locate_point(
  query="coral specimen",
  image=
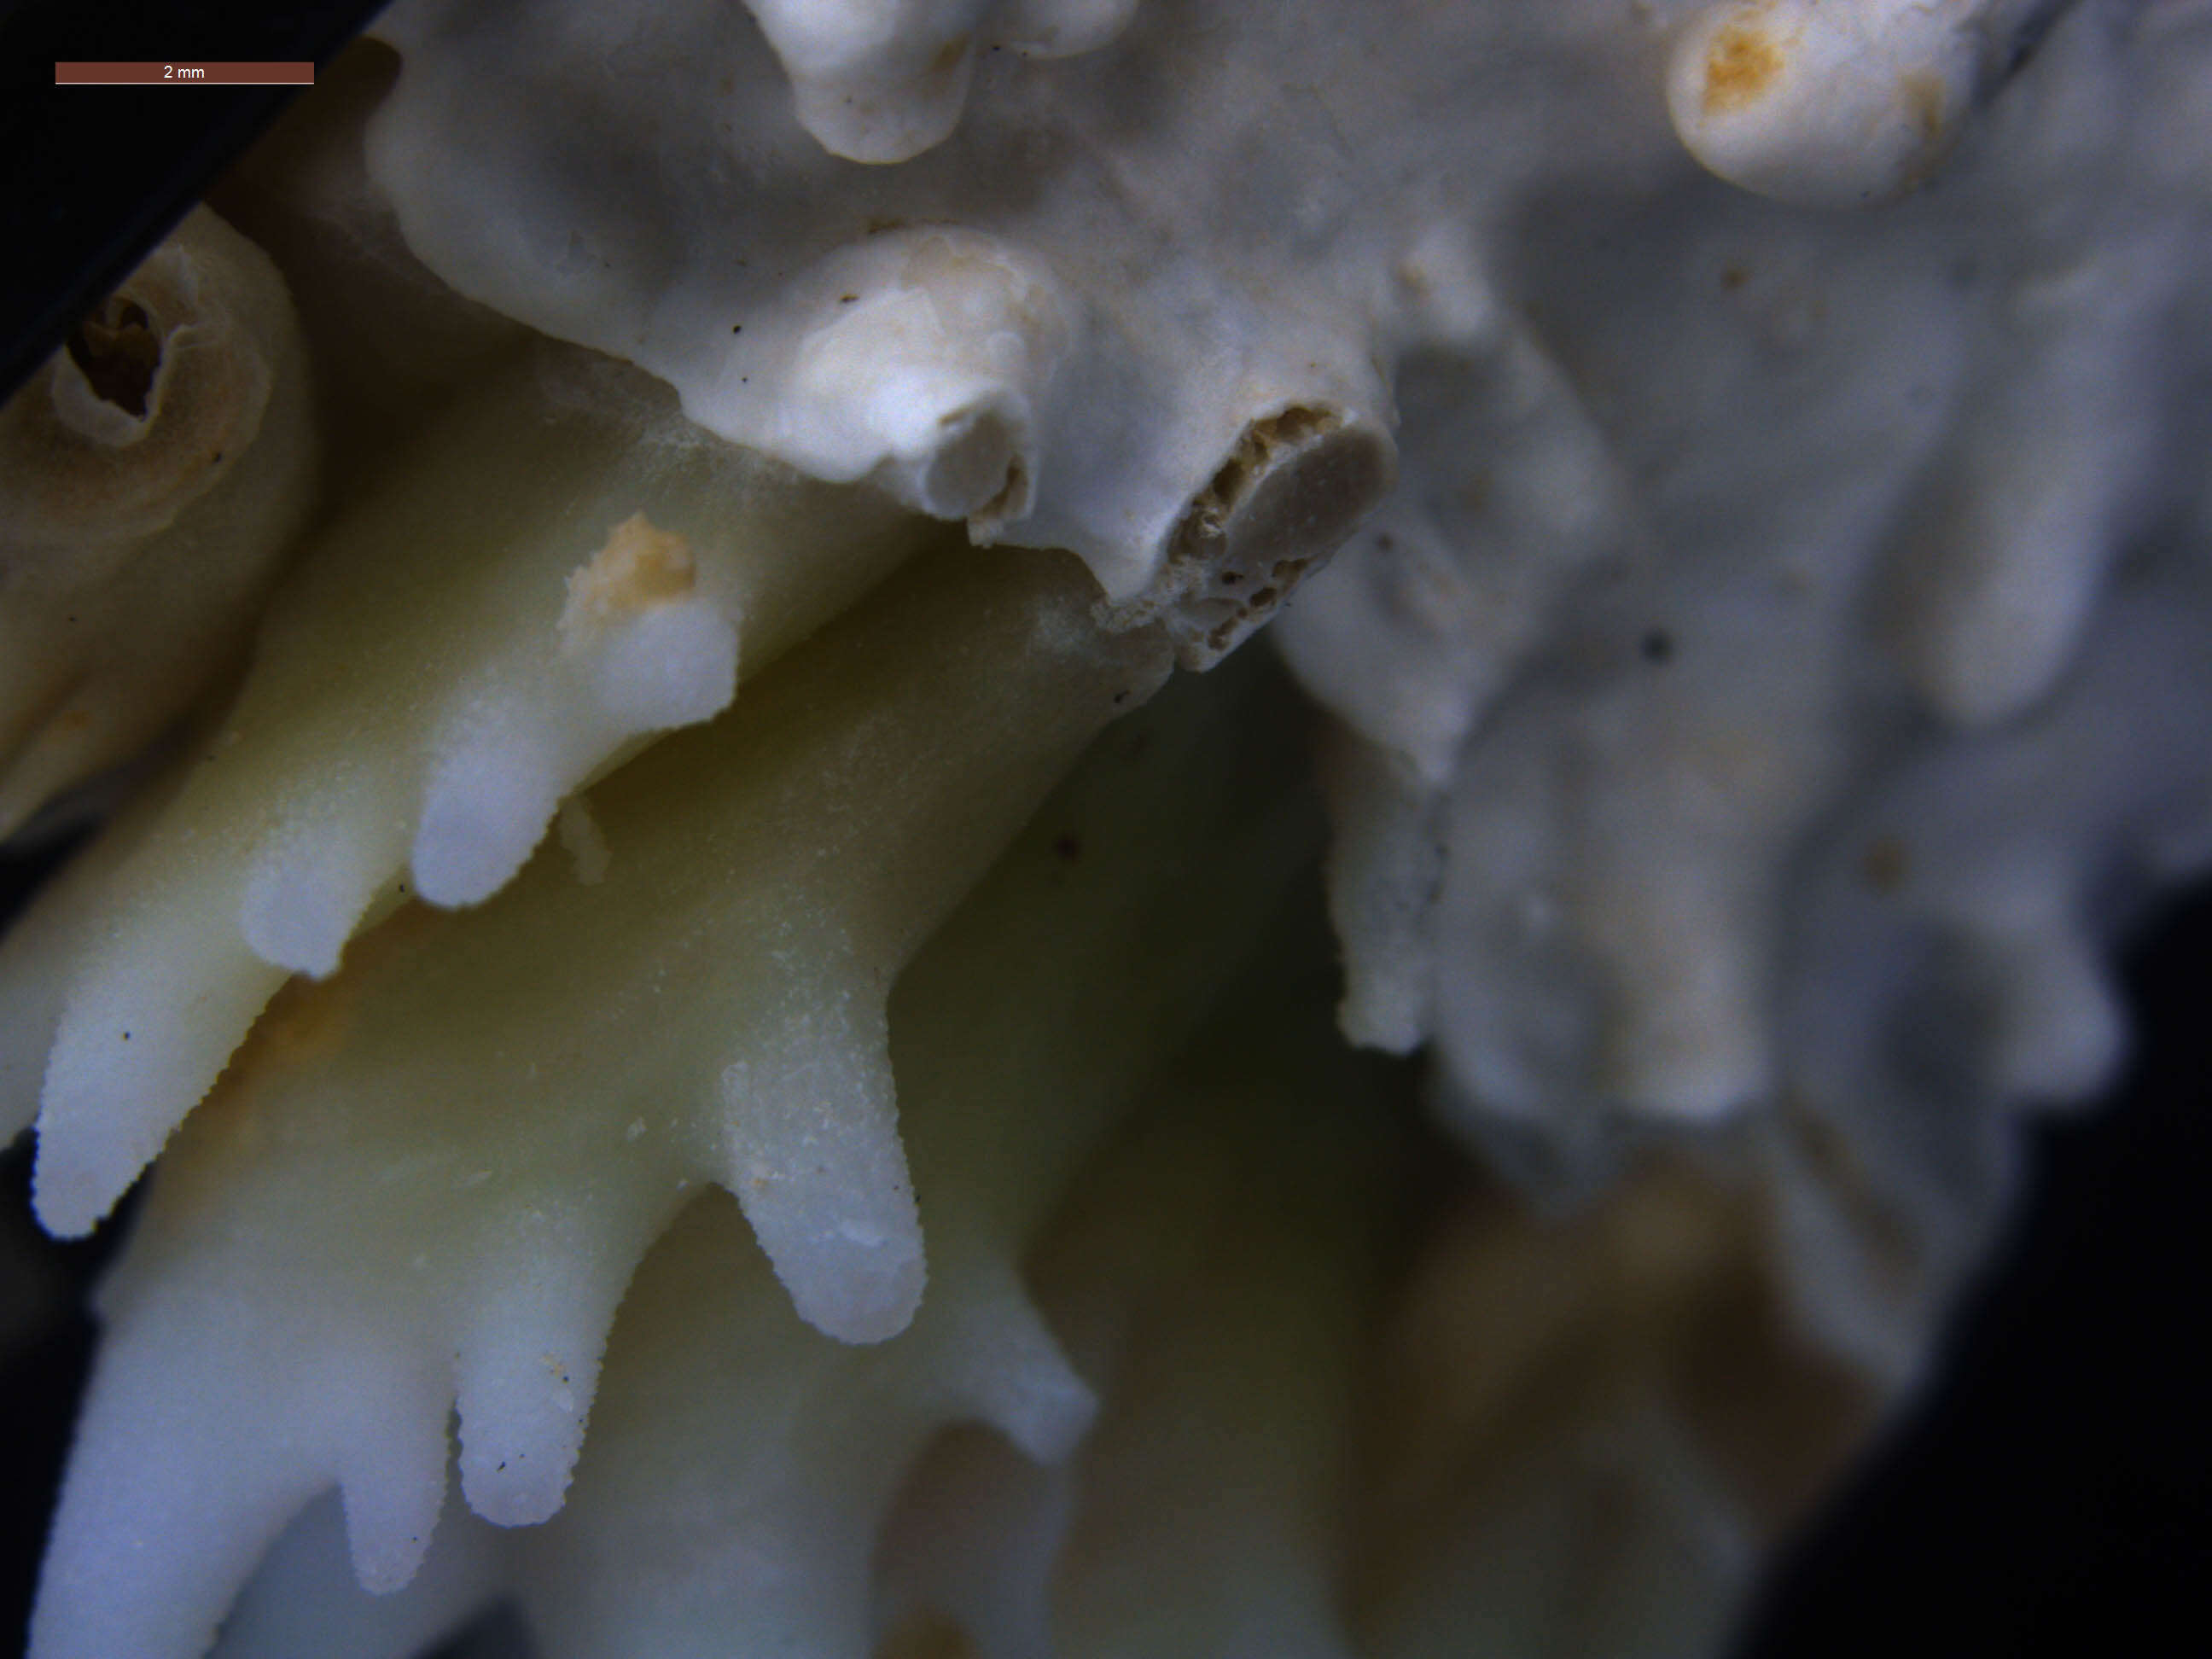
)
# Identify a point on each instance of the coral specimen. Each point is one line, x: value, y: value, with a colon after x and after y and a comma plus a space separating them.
x: 708, y: 942
x: 150, y: 480
x: 555, y: 625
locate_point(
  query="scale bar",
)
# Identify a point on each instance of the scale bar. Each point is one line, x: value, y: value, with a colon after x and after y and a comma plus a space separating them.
x: 201, y: 73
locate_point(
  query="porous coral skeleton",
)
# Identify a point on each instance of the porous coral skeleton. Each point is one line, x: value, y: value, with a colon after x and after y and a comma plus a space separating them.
x: 731, y: 973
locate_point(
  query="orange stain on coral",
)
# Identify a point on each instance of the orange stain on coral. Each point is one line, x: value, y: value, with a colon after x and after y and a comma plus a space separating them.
x: 1743, y: 63
x: 307, y: 1022
x: 306, y: 1025
x: 640, y: 567
x: 949, y: 55
x: 1924, y: 97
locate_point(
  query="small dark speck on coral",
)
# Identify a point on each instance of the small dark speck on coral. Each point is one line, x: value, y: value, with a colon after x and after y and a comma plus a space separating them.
x: 1657, y: 646
x: 1887, y: 864
x: 1067, y: 848
x: 737, y: 328
x: 847, y: 299
x: 1383, y: 543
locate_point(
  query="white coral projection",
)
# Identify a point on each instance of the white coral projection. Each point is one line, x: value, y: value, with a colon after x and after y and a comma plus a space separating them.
x: 583, y: 571
x: 640, y: 1016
